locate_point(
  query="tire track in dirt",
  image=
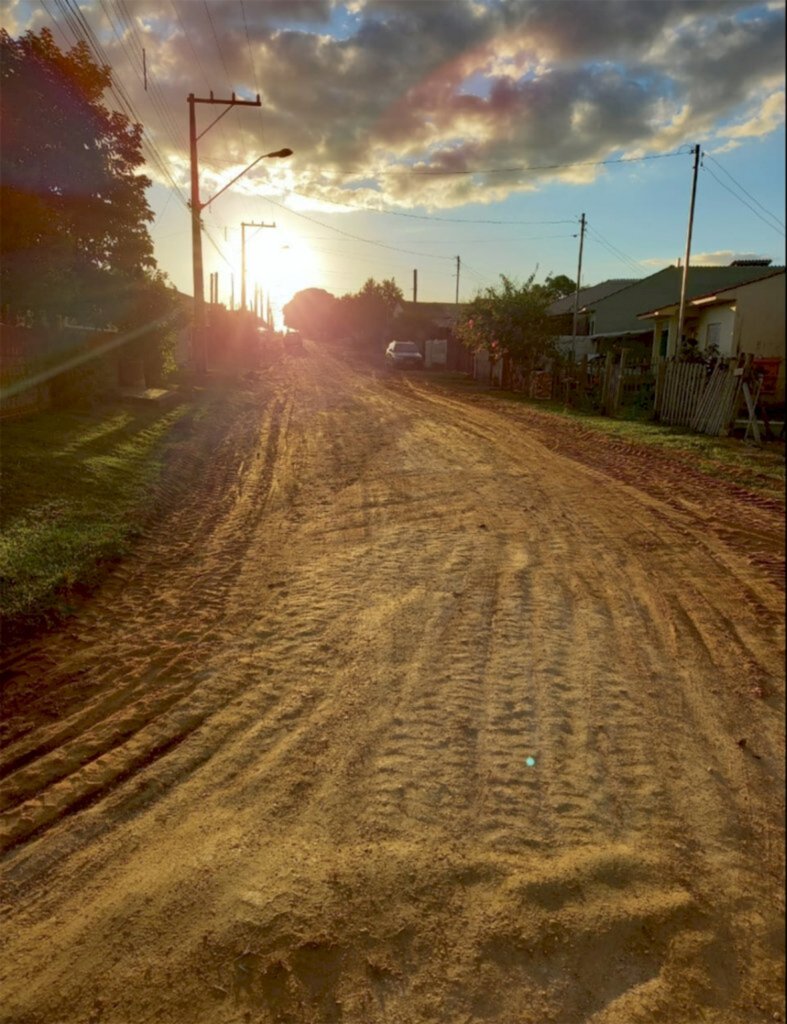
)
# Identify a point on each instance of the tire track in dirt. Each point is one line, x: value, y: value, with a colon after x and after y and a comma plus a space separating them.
x: 428, y: 597
x: 103, y: 745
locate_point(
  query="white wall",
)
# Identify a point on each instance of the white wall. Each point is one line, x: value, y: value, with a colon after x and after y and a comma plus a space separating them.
x: 724, y: 316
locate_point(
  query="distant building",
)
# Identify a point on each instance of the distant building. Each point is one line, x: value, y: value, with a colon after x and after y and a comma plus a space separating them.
x: 614, y: 320
x: 562, y: 313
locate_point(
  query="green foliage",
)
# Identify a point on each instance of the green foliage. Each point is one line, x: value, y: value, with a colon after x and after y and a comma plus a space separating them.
x: 75, y: 488
x: 510, y: 319
x: 560, y: 286
x: 73, y: 210
x: 312, y: 311
x: 367, y: 315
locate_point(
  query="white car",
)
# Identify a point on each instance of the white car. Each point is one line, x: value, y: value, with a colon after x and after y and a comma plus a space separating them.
x: 403, y: 354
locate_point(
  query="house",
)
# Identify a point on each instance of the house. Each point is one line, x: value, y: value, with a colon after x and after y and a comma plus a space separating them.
x: 614, y: 320
x: 747, y: 317
x: 561, y: 311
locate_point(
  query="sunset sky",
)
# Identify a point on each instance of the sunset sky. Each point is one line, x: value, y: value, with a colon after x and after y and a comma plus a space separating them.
x: 378, y: 99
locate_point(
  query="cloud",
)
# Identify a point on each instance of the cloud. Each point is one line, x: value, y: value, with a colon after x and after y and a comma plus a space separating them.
x: 378, y: 91
x: 717, y: 258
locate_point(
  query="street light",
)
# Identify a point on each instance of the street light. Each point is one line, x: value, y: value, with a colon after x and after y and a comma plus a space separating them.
x: 198, y: 336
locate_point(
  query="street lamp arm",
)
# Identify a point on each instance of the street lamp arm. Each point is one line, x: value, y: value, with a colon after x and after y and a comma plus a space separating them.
x: 280, y: 153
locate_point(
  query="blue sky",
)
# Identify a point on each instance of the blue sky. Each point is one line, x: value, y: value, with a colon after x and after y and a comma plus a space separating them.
x: 375, y: 96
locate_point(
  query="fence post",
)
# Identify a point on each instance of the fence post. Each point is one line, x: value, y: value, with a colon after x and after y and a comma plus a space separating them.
x: 583, y: 378
x: 619, y: 388
x: 661, y: 368
x: 605, y: 383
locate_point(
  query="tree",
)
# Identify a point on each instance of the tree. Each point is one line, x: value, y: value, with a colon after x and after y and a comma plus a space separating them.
x: 510, y: 320
x: 73, y: 209
x: 371, y: 310
x: 560, y: 286
x: 312, y: 311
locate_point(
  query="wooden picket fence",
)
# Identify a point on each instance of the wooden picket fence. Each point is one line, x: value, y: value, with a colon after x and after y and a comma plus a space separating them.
x: 692, y: 396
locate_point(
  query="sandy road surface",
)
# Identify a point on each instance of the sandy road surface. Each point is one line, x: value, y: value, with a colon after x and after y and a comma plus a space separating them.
x: 412, y: 710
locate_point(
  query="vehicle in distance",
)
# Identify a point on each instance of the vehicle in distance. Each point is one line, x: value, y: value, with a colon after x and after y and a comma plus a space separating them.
x: 403, y: 354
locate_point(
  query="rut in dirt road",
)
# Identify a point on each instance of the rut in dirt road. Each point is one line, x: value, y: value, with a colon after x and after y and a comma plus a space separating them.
x: 408, y: 712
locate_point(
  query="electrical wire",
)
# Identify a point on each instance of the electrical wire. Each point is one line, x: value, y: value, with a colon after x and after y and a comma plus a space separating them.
x: 707, y: 156
x: 422, y: 216
x: 81, y: 30
x: 253, y: 64
x: 741, y: 200
x: 218, y: 45
x: 613, y: 249
x: 551, y: 167
x: 348, y: 234
x: 200, y: 65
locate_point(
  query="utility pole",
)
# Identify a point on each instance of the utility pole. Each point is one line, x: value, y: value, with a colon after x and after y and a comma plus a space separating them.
x: 582, y: 223
x: 415, y: 286
x: 685, y: 277
x: 232, y: 291
x: 199, y: 350
x: 458, y: 265
x: 243, y: 226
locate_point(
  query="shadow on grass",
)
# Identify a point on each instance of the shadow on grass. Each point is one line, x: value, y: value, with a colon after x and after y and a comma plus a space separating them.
x: 75, y: 486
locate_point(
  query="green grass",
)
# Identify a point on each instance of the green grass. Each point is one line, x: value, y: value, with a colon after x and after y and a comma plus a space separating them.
x: 73, y: 497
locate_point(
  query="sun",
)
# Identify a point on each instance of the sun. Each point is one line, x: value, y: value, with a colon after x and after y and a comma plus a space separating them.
x: 280, y: 266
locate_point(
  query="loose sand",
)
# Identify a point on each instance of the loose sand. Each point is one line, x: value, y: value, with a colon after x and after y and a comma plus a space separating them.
x: 412, y: 709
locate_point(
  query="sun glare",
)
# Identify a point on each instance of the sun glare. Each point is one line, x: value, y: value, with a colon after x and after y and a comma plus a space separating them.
x: 280, y: 265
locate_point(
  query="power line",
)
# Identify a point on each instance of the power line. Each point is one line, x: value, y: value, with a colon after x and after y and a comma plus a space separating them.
x: 81, y: 31
x: 218, y: 45
x: 251, y: 58
x: 745, y: 192
x: 553, y: 167
x: 614, y: 251
x: 200, y: 65
x: 423, y: 216
x: 741, y: 200
x: 358, y: 238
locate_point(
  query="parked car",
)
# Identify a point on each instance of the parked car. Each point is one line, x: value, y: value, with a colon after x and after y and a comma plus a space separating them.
x: 402, y: 355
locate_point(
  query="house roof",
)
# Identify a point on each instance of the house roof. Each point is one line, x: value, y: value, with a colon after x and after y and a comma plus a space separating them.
x: 588, y: 295
x: 621, y: 310
x: 722, y: 296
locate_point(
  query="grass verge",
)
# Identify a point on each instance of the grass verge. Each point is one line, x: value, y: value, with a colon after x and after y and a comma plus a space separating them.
x: 74, y: 488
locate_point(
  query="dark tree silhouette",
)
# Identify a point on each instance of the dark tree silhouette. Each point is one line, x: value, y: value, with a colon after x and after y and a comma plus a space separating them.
x: 73, y: 210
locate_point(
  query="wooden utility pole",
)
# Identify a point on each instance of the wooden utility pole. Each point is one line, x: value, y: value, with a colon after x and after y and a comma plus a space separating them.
x: 415, y: 286
x: 458, y: 265
x: 198, y: 346
x: 582, y: 223
x: 243, y: 226
x: 685, y: 277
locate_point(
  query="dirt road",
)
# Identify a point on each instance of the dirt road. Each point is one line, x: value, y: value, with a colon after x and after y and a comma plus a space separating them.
x: 412, y: 710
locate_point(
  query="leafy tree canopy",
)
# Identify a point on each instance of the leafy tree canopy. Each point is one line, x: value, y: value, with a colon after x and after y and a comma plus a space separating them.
x: 366, y: 315
x: 311, y: 311
x: 560, y: 285
x: 510, y: 318
x: 73, y: 209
